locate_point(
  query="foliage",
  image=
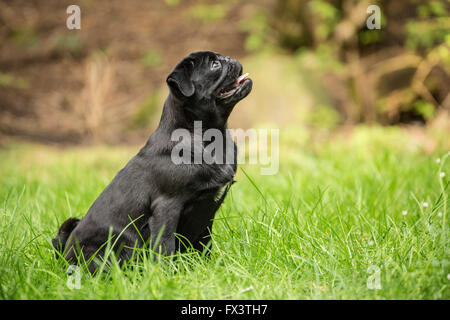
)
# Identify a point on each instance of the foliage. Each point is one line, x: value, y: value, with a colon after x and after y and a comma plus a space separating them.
x: 206, y: 13
x: 258, y: 31
x: 11, y: 81
x: 151, y: 59
x: 24, y: 36
x: 335, y: 33
x: 70, y: 43
x: 148, y: 112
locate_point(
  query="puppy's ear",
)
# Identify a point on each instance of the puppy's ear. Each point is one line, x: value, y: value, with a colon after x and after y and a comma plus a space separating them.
x: 179, y: 81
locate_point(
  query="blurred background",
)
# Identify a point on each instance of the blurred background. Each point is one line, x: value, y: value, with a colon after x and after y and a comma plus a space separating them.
x: 315, y: 65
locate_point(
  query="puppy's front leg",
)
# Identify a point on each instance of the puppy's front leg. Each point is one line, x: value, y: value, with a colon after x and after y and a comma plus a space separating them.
x: 163, y: 224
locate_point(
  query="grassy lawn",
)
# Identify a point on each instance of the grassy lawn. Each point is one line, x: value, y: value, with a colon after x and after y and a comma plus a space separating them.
x: 340, y: 212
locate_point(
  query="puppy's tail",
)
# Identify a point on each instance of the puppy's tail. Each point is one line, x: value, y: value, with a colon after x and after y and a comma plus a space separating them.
x: 59, y: 242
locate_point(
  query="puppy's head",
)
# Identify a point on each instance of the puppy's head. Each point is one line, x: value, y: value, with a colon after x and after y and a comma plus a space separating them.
x: 210, y: 85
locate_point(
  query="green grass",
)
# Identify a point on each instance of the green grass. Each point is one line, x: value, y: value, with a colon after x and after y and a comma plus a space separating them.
x: 310, y: 232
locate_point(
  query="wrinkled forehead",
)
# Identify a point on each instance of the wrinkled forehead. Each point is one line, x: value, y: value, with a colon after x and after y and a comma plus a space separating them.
x: 193, y: 62
x: 201, y: 57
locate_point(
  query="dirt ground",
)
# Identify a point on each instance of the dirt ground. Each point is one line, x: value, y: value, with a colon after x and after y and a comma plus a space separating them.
x: 78, y: 86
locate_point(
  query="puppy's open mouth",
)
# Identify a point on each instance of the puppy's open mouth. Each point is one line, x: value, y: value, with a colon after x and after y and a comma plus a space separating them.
x: 233, y: 88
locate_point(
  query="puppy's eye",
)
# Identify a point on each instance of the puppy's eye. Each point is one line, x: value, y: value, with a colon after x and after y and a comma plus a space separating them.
x: 215, y: 65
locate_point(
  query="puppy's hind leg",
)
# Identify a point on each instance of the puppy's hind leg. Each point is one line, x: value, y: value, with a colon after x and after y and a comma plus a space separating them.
x: 64, y: 232
x: 163, y: 224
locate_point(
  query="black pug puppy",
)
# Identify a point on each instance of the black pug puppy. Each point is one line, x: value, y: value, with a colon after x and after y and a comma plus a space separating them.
x: 152, y: 198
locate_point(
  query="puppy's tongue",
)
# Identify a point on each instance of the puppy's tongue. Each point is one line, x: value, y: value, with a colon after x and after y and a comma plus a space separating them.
x: 242, y: 78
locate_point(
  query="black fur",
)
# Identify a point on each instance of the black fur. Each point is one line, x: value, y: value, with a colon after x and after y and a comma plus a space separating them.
x: 63, y: 234
x: 158, y: 195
